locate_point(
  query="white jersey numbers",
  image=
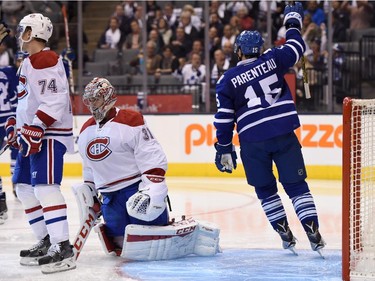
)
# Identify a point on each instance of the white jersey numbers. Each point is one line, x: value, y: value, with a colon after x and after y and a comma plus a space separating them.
x: 270, y: 95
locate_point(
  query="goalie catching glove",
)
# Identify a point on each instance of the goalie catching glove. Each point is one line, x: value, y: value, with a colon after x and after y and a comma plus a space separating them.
x: 150, y: 200
x: 226, y: 157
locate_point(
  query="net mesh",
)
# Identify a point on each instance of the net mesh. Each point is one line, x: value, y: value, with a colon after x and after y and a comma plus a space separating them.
x: 362, y: 191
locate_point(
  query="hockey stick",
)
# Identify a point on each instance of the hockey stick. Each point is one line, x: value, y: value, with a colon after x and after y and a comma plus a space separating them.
x: 4, y: 148
x: 304, y: 73
x: 305, y: 78
x: 85, y: 230
x: 71, y: 78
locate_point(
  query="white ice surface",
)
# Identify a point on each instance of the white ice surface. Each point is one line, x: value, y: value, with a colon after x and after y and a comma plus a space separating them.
x: 251, y: 249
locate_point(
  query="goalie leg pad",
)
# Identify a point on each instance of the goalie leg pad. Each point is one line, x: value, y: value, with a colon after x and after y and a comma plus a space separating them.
x: 177, y: 240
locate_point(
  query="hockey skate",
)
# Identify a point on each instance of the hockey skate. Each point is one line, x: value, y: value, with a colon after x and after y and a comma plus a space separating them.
x: 60, y: 257
x: 316, y: 241
x: 3, y: 208
x: 31, y: 256
x: 287, y: 237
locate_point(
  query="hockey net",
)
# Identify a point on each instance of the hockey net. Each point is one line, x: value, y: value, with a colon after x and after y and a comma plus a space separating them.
x: 358, y: 217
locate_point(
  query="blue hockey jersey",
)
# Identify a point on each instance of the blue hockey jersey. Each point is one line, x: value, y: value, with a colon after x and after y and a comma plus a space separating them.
x: 8, y: 93
x: 254, y: 96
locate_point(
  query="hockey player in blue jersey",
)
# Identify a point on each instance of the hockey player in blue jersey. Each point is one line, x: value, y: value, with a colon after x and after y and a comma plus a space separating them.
x: 254, y: 97
x: 8, y: 104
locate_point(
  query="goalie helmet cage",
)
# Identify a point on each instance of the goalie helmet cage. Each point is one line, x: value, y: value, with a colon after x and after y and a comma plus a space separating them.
x: 358, y: 194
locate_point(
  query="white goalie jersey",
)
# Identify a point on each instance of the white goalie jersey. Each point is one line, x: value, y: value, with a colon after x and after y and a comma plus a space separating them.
x: 118, y: 153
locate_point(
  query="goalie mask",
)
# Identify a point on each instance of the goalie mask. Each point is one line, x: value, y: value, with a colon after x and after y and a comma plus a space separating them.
x: 99, y: 96
x: 41, y: 27
x: 249, y: 42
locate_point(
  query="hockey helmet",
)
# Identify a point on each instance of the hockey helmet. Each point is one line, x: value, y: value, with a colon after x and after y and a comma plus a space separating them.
x: 99, y: 96
x: 41, y: 26
x: 249, y: 42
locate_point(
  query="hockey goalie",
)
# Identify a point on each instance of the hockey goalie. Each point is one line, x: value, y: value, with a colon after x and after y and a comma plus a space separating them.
x: 124, y: 162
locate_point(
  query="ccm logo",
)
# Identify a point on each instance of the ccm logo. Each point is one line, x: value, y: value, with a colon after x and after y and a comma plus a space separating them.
x: 84, y: 232
x: 309, y: 135
x: 185, y: 230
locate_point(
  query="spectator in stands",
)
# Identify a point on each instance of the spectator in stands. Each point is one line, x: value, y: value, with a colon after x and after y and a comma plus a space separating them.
x: 246, y: 22
x: 338, y: 66
x: 361, y: 15
x: 170, y: 16
x: 310, y: 30
x: 129, y: 8
x: 195, y: 20
x: 181, y: 44
x: 169, y: 62
x: 234, y: 6
x: 196, y: 49
x: 157, y: 39
x: 315, y: 56
x: 152, y: 60
x: 338, y: 28
x: 261, y: 26
x: 342, y: 13
x: 221, y: 65
x: 138, y: 16
x: 317, y: 14
x: 151, y: 9
x: 119, y: 13
x: 152, y: 22
x: 228, y: 35
x: 216, y: 22
x: 112, y: 37
x: 134, y: 38
x: 229, y: 54
x: 6, y: 57
x: 235, y: 24
x: 189, y: 29
x: 164, y: 30
x: 192, y: 74
x: 214, y: 41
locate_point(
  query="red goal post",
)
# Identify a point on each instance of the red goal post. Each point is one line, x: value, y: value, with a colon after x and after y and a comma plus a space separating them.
x: 358, y: 195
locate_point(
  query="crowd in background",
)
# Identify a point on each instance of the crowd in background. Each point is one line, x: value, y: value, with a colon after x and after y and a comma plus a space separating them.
x: 176, y: 32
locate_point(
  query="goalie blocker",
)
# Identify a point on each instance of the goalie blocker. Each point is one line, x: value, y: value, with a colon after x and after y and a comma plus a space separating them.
x: 179, y: 239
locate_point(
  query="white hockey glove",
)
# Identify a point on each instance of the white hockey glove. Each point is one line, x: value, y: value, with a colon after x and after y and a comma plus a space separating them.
x: 86, y: 197
x: 150, y: 200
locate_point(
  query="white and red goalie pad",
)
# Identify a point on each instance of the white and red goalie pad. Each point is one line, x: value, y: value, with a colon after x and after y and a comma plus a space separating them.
x: 179, y: 239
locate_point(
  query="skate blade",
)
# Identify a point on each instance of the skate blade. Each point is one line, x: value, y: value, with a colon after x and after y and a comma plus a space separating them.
x: 27, y: 261
x: 293, y: 250
x: 64, y: 265
x: 320, y: 252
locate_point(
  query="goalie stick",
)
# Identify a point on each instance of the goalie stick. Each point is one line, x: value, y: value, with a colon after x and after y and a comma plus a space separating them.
x: 78, y: 244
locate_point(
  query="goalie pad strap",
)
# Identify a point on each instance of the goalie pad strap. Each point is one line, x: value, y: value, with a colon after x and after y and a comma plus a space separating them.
x: 169, y: 242
x: 106, y: 242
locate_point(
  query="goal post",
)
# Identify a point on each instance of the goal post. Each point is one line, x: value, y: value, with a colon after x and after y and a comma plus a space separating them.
x: 358, y: 194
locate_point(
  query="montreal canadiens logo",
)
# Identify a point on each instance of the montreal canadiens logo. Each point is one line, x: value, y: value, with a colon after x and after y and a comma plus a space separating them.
x: 97, y: 149
x: 21, y: 88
